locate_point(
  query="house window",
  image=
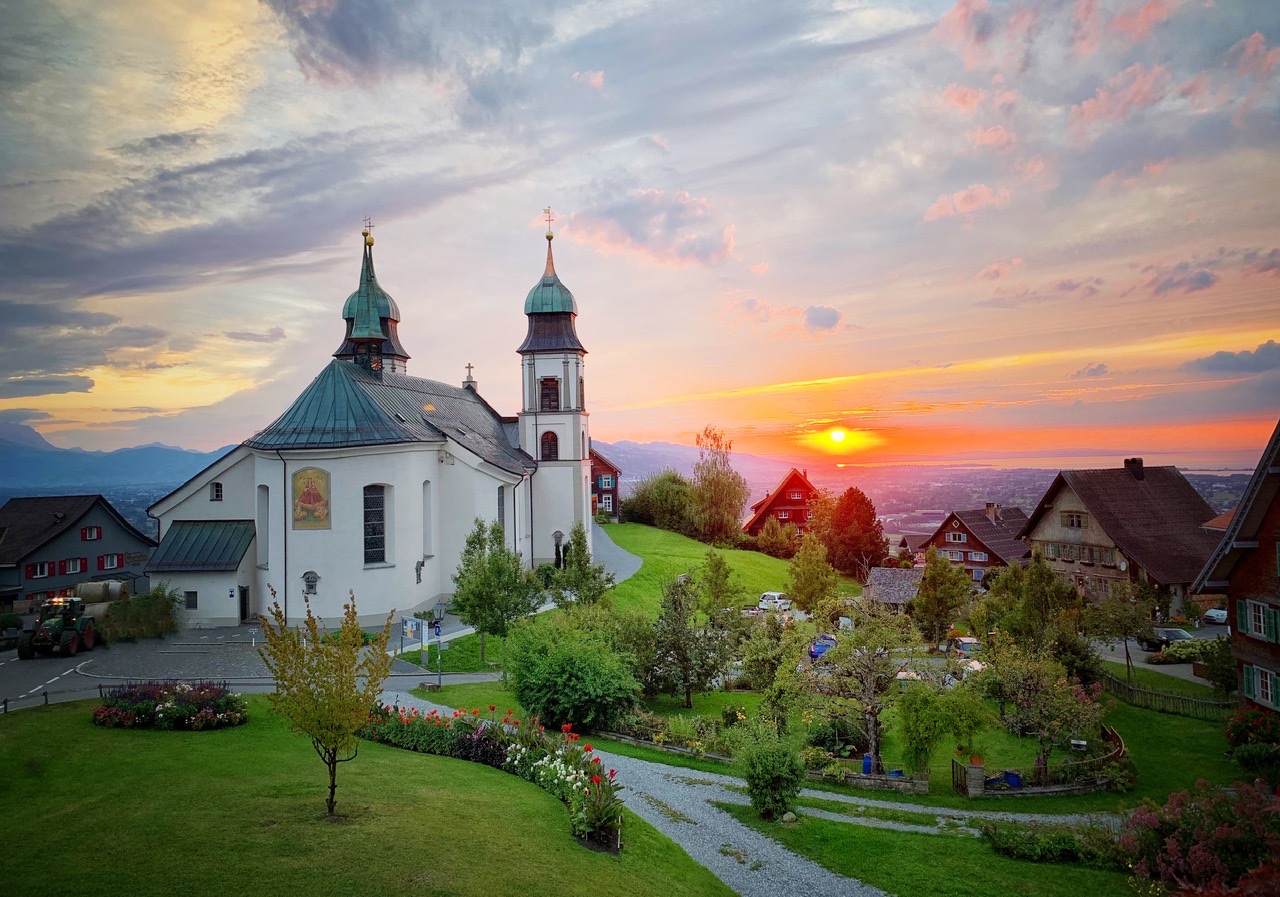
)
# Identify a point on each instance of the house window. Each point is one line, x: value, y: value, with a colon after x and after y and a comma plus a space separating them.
x: 1075, y: 520
x: 110, y: 561
x: 215, y: 492
x: 375, y: 524
x: 550, y: 399
x: 193, y: 600
x: 39, y: 570
x: 310, y: 582
x: 606, y: 481
x: 978, y: 556
x: 957, y: 537
x: 784, y: 515
x: 797, y: 496
x: 1257, y: 618
x: 977, y: 575
x: 955, y: 555
x: 72, y: 565
x: 90, y: 533
x: 606, y: 502
x: 550, y: 446
x: 1265, y: 691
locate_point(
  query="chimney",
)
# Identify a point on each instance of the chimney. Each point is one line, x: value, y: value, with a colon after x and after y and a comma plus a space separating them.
x: 1134, y: 466
x: 993, y: 511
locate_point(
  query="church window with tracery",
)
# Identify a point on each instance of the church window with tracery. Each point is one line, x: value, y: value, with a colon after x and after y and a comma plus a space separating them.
x: 375, y: 524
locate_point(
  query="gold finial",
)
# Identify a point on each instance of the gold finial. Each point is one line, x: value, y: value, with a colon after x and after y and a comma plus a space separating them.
x: 550, y: 218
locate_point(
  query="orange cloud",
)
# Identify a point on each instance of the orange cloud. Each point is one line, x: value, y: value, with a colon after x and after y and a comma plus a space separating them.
x: 1253, y: 58
x: 1138, y: 24
x: 999, y: 270
x: 967, y: 201
x: 594, y: 80
x: 1084, y: 35
x: 996, y: 137
x: 965, y: 99
x: 1130, y: 91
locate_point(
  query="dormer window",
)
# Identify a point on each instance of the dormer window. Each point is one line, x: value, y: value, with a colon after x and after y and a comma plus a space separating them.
x: 215, y: 492
x: 797, y: 495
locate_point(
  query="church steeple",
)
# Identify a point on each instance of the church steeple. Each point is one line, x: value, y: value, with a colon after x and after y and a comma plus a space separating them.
x: 551, y: 309
x: 372, y: 318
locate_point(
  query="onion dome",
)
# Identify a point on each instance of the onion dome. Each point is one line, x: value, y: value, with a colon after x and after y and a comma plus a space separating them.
x: 371, y: 313
x: 551, y: 309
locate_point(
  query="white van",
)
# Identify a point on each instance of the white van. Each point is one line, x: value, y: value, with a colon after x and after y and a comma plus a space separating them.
x: 774, y: 601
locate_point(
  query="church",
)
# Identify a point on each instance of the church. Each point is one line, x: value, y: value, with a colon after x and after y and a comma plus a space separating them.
x: 371, y: 480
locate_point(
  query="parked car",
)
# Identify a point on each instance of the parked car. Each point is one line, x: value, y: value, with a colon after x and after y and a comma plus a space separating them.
x: 774, y: 601
x: 1215, y: 615
x: 821, y: 645
x: 965, y: 646
x: 1162, y: 637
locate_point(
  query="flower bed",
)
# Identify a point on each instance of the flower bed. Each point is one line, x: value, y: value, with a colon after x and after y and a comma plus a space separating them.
x: 169, y: 705
x: 559, y: 765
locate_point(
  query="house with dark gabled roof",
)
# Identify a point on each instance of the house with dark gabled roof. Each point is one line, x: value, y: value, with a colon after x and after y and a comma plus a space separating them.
x: 893, y: 587
x: 788, y: 502
x: 1134, y: 524
x: 1245, y: 565
x: 371, y: 480
x: 604, y: 485
x: 981, y: 540
x: 50, y: 544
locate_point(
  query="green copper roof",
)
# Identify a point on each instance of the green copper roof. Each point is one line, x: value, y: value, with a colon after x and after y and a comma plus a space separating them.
x: 550, y: 295
x: 202, y: 546
x: 380, y: 303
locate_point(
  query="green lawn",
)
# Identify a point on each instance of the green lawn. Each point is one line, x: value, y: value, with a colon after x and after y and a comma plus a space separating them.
x: 1154, y: 679
x: 462, y: 655
x: 667, y: 555
x: 916, y: 865
x: 93, y: 811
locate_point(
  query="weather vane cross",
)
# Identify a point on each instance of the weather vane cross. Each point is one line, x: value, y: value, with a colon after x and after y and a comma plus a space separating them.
x: 368, y: 222
x: 550, y: 217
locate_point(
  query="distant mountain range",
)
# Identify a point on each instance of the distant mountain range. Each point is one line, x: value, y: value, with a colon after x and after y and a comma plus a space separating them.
x: 30, y: 464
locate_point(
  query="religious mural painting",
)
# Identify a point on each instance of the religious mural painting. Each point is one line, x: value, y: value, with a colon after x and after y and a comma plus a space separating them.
x: 311, y: 498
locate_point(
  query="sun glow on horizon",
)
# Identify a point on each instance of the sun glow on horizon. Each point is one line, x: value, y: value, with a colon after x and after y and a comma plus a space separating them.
x: 842, y: 441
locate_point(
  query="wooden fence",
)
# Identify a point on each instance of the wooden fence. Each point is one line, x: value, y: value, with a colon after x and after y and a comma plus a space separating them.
x: 1210, y: 709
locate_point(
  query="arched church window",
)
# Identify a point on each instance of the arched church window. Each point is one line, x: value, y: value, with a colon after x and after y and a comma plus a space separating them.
x: 375, y: 524
x: 550, y: 447
x: 550, y: 401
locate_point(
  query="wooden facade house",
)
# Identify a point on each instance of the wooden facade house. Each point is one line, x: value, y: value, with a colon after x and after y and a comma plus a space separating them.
x: 789, y: 502
x: 981, y: 539
x: 604, y: 485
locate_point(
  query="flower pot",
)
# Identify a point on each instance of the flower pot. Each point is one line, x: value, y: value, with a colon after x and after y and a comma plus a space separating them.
x: 975, y: 759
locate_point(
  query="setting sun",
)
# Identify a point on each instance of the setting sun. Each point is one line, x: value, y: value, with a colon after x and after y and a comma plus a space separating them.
x: 837, y: 435
x: 841, y: 441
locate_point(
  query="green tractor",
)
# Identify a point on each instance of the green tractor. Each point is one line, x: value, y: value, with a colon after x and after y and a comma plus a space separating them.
x: 61, y: 625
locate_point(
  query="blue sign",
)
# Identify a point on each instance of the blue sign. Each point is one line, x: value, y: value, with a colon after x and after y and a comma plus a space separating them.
x: 437, y: 630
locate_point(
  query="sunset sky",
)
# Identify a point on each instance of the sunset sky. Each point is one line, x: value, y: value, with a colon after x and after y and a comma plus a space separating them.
x: 841, y: 231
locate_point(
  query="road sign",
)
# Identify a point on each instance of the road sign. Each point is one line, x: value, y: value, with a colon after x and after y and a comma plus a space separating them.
x: 437, y: 630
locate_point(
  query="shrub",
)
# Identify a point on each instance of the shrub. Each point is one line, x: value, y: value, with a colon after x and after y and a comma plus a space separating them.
x: 772, y: 769
x: 1253, y: 725
x: 171, y: 705
x: 10, y: 621
x: 732, y: 714
x: 1181, y: 652
x: 1206, y: 837
x: 546, y: 574
x: 838, y: 736
x: 565, y: 675
x: 1121, y: 773
x: 1220, y: 666
x: 149, y: 615
x: 1092, y: 846
x: 1260, y: 760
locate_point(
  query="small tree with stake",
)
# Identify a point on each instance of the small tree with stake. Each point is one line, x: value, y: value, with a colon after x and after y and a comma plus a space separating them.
x: 325, y: 687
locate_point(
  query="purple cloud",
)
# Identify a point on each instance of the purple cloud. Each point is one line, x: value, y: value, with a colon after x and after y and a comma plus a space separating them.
x: 1092, y: 370
x: 820, y: 318
x: 1264, y: 358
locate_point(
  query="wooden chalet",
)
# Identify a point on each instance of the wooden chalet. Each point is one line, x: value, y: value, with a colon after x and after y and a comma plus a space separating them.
x: 1245, y: 566
x: 604, y: 485
x: 1136, y: 524
x: 788, y: 503
x: 982, y: 539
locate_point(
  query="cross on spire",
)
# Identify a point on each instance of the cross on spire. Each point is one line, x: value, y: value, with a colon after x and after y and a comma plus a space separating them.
x: 470, y: 367
x: 550, y: 217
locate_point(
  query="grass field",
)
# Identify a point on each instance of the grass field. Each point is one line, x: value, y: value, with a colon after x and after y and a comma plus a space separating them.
x: 667, y: 555
x: 1154, y: 679
x: 917, y: 865
x: 92, y: 811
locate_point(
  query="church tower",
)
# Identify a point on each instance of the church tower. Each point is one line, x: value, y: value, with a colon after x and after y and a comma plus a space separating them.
x: 553, y: 415
x: 372, y: 318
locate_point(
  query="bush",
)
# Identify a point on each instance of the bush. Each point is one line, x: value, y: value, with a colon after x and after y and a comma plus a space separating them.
x: 171, y: 705
x: 546, y: 574
x: 1181, y: 652
x: 10, y: 621
x: 772, y: 769
x: 839, y: 737
x: 149, y: 615
x: 1253, y: 725
x: 1260, y: 760
x: 1208, y: 836
x: 1092, y: 846
x: 566, y: 675
x: 1220, y: 666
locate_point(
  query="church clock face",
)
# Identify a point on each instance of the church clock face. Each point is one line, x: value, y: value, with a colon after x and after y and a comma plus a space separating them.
x: 375, y: 363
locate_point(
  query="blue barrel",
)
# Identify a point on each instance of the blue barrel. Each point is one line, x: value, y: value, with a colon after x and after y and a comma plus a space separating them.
x: 1014, y: 779
x: 866, y: 764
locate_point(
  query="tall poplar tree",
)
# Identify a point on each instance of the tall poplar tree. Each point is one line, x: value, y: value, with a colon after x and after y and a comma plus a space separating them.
x: 719, y: 492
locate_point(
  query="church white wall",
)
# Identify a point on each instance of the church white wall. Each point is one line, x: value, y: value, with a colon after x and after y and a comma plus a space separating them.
x: 217, y: 595
x: 237, y: 494
x: 558, y: 489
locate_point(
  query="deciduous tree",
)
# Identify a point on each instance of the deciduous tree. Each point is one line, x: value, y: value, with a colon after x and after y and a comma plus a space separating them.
x: 1031, y: 603
x: 944, y: 589
x: 663, y: 499
x: 492, y: 588
x: 719, y: 492
x: 579, y: 579
x: 688, y: 657
x: 777, y: 540
x: 1121, y: 615
x: 325, y: 687
x: 811, y: 581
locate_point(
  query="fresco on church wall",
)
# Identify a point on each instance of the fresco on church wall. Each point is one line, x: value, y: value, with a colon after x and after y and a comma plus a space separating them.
x: 311, y: 498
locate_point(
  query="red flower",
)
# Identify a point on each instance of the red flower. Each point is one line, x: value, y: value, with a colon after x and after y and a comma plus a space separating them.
x: 566, y: 727
x: 475, y: 712
x: 587, y: 748
x: 595, y: 759
x: 612, y: 773
x: 595, y: 780
x: 492, y: 707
